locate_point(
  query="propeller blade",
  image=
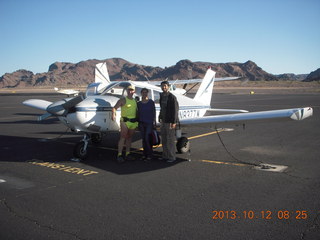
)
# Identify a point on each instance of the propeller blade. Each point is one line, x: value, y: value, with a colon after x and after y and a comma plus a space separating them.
x: 71, y: 103
x: 44, y: 116
x: 62, y: 107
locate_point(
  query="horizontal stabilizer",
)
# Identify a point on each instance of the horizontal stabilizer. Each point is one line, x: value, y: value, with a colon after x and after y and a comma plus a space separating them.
x: 37, y: 103
x: 264, y: 116
x: 226, y: 79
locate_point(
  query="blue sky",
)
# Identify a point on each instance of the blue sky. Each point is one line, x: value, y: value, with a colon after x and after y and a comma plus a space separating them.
x: 280, y: 36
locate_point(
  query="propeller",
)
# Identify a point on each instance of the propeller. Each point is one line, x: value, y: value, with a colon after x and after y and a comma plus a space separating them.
x: 61, y: 107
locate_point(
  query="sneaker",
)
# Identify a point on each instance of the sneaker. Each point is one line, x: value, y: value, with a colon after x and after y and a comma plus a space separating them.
x: 163, y: 159
x: 171, y: 160
x: 120, y: 159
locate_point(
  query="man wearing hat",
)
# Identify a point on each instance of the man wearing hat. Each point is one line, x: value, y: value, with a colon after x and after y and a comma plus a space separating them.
x: 128, y: 121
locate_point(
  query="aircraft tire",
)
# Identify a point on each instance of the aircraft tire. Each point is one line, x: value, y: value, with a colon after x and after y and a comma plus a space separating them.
x: 79, y: 151
x: 183, y: 145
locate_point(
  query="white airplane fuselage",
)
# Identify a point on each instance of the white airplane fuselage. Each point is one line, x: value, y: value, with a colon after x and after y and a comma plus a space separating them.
x: 94, y: 113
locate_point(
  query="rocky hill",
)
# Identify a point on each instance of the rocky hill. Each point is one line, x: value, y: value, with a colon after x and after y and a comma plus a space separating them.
x: 313, y: 76
x: 291, y: 77
x: 82, y: 73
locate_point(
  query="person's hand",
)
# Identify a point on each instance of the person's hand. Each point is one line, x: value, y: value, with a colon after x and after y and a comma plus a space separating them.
x: 113, y: 115
x: 173, y: 125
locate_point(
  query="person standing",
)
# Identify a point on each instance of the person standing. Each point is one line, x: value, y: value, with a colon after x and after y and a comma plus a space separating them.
x: 147, y: 121
x: 168, y: 118
x: 128, y: 122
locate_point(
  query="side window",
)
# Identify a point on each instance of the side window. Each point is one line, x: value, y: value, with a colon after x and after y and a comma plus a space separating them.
x: 137, y: 95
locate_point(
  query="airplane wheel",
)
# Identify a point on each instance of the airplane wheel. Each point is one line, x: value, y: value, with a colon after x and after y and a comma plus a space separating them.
x: 79, y: 151
x: 96, y: 138
x: 183, y: 145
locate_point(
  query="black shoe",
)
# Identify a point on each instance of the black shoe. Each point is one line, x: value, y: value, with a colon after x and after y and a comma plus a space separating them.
x: 120, y: 159
x: 171, y: 160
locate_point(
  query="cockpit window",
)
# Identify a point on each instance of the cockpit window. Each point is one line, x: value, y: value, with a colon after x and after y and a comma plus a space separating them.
x: 138, y: 96
x: 116, y: 88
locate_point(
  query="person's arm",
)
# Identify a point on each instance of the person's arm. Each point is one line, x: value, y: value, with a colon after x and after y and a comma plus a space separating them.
x: 175, y: 112
x: 154, y: 114
x: 114, y: 109
x: 138, y: 111
x: 160, y: 113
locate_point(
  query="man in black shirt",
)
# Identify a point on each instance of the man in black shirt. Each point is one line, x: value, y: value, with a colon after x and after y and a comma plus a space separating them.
x: 168, y: 118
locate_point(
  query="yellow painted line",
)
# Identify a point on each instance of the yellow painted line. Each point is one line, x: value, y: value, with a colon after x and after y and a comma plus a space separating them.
x: 205, y: 134
x: 226, y: 163
x: 193, y: 137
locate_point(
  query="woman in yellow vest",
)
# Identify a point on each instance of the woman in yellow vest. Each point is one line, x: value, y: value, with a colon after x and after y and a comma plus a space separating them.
x: 128, y: 121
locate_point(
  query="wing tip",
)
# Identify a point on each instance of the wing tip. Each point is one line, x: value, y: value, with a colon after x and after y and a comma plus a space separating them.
x: 302, y: 113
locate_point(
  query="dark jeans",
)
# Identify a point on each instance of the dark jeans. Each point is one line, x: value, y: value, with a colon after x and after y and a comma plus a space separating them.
x: 145, y: 130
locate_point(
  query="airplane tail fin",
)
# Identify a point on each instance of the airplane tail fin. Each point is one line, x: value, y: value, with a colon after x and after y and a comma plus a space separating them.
x: 204, y: 93
x: 101, y: 74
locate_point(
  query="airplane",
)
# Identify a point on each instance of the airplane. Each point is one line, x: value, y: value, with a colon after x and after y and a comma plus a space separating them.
x: 67, y: 91
x: 90, y: 113
x: 101, y: 77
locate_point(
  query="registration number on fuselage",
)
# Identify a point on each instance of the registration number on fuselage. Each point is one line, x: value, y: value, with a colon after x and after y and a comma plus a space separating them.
x: 192, y: 113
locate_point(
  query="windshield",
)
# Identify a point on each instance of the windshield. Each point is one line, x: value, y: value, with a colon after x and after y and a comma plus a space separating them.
x: 111, y: 88
x: 119, y: 89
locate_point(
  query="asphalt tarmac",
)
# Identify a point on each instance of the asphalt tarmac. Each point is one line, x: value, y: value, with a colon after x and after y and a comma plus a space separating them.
x: 213, y: 192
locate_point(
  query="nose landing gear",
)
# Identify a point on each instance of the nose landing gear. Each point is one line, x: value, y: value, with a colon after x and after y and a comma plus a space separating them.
x: 81, y: 148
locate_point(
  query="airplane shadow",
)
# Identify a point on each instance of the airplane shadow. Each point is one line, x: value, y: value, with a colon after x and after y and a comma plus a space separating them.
x: 51, y: 120
x: 60, y: 150
x: 27, y: 114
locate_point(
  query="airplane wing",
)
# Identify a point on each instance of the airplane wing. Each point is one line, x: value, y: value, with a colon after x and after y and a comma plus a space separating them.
x: 37, y: 103
x: 264, y: 116
x: 191, y: 81
x: 227, y: 110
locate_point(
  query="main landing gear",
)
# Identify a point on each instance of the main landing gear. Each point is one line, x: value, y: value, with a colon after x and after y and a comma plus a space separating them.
x: 183, y: 145
x: 81, y: 148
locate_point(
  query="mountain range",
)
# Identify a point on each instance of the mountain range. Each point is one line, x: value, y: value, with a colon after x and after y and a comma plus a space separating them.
x: 82, y: 73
